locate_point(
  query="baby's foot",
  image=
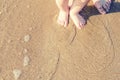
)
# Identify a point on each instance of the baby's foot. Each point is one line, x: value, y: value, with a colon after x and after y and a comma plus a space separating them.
x: 63, y: 18
x: 102, y: 6
x: 78, y: 20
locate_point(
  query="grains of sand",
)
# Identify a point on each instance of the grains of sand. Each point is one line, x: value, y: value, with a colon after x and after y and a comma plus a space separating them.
x: 17, y: 73
x: 25, y: 51
x: 30, y: 29
x: 19, y: 53
x: 0, y: 13
x: 1, y: 78
x: 28, y: 6
x: 9, y: 41
x: 26, y: 60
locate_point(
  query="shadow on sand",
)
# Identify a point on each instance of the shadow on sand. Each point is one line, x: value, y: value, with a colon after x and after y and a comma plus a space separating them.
x: 91, y: 10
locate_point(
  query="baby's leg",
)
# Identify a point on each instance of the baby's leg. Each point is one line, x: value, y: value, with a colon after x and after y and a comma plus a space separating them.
x: 74, y: 12
x: 64, y: 12
x: 102, y: 6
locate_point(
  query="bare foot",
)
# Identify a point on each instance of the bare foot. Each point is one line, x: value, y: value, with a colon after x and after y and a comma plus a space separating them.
x: 78, y: 20
x: 102, y: 6
x: 77, y: 7
x: 63, y: 18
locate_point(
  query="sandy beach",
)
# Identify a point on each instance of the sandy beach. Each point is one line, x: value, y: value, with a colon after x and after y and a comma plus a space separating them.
x: 34, y: 47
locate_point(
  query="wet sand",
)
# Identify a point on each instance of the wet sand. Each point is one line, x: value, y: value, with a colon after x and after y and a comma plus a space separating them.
x: 34, y: 47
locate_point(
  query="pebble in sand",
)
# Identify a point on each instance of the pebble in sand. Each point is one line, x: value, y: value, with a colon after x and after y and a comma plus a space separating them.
x: 27, y: 38
x: 26, y: 61
x: 17, y: 73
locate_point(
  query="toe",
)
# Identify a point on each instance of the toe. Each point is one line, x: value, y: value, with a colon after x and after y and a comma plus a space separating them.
x: 78, y: 26
x: 66, y: 23
x: 109, y: 1
x: 82, y: 25
x: 60, y: 22
x: 106, y: 7
x: 100, y: 8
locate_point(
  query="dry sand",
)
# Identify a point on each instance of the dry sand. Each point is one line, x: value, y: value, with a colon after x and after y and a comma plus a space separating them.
x: 29, y: 28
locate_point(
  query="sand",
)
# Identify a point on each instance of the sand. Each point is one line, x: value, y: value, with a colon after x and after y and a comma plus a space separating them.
x: 29, y: 28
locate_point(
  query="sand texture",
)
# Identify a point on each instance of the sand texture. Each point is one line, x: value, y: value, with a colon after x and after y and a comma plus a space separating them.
x: 34, y: 47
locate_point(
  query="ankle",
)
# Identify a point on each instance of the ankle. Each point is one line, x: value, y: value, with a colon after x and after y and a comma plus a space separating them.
x: 64, y: 10
x: 73, y: 13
